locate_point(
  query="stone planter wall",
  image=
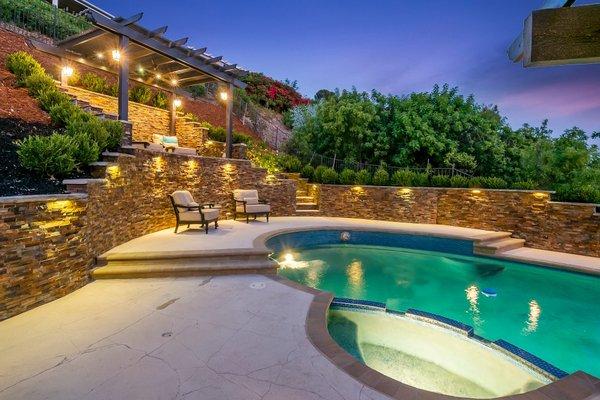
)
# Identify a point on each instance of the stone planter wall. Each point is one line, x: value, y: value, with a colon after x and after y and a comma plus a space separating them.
x: 567, y: 227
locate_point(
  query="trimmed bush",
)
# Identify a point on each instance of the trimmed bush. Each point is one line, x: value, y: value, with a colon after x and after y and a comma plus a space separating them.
x: 47, y: 155
x: 475, y: 182
x: 93, y: 127
x: 308, y: 172
x: 524, y: 185
x: 160, y: 100
x: 363, y: 177
x: 381, y: 177
x: 440, y: 181
x: 50, y: 97
x: 421, y: 179
x: 85, y: 149
x: 93, y: 83
x: 141, y: 94
x: 23, y: 65
x: 577, y: 193
x: 319, y: 173
x: 403, y: 177
x: 61, y: 113
x: 329, y: 176
x: 115, y: 133
x: 38, y: 83
x: 459, y: 181
x: 347, y: 176
x: 289, y: 163
x: 491, y: 182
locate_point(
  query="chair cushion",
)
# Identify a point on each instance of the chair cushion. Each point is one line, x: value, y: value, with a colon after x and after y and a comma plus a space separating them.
x: 190, y: 216
x: 170, y: 139
x: 258, y: 208
x: 183, y: 198
x: 210, y: 214
x: 241, y: 194
x: 251, y: 200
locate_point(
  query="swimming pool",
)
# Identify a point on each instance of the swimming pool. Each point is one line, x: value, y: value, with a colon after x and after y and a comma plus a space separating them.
x: 550, y: 313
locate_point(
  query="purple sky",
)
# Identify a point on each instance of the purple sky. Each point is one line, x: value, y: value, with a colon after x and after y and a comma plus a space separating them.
x: 392, y: 46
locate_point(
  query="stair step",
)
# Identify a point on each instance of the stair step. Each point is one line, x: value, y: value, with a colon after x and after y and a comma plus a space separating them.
x: 305, y: 199
x: 307, y: 212
x: 307, y: 206
x: 498, y: 246
x: 98, y: 169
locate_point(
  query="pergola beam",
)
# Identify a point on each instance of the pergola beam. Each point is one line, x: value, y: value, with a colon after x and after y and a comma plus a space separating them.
x: 158, y: 32
x: 178, y: 42
x: 213, y: 60
x: 131, y: 20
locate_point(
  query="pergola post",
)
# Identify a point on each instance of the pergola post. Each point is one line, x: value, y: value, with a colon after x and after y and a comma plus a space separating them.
x: 172, y: 114
x: 123, y: 79
x: 229, y: 122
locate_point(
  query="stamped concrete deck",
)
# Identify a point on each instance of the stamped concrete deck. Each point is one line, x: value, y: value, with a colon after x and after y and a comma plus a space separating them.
x: 235, y: 337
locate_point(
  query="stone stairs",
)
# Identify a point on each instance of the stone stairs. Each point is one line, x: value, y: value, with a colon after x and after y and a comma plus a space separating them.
x: 497, y: 242
x: 306, y: 201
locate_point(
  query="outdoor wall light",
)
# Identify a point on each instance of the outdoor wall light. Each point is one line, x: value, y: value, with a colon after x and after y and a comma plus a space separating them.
x: 67, y: 71
x: 539, y: 195
x: 141, y: 69
x: 100, y: 55
x: 223, y: 95
x: 174, y: 82
x: 158, y: 76
x: 176, y: 103
x: 116, y: 55
x: 475, y: 191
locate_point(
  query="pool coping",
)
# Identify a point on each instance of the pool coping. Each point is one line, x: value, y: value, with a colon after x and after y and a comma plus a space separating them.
x: 576, y: 386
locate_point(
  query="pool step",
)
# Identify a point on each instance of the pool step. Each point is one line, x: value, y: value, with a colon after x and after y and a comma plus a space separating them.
x: 497, y: 246
x: 176, y: 264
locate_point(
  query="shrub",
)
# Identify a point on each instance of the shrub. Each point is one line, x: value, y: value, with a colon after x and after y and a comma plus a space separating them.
x: 421, y: 179
x: 160, y: 100
x: 363, y: 177
x: 403, y: 177
x: 459, y: 181
x: 319, y: 173
x: 308, y: 172
x: 492, y: 182
x: 140, y: 94
x: 219, y: 134
x: 288, y: 119
x: 94, y: 83
x: 290, y: 163
x: 524, y: 185
x: 347, y: 176
x: 85, y: 149
x: 115, y: 133
x: 61, y: 113
x: 475, y: 182
x: 329, y: 176
x: 39, y: 82
x: 381, y: 177
x: 440, y: 181
x: 23, y: 65
x: 93, y: 127
x: 577, y: 193
x: 50, y: 97
x: 47, y: 155
x: 197, y: 90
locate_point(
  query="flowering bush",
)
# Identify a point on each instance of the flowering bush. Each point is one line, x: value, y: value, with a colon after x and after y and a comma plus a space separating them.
x: 269, y: 93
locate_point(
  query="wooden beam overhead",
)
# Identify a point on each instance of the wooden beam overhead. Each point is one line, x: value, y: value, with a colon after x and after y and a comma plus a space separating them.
x: 158, y: 32
x: 178, y: 42
x: 214, y: 60
x: 562, y: 36
x: 131, y: 20
x: 230, y: 67
x: 196, y: 52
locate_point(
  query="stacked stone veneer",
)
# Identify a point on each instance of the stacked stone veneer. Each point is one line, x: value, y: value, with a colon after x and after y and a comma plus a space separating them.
x: 567, y: 227
x: 48, y: 243
x: 146, y: 120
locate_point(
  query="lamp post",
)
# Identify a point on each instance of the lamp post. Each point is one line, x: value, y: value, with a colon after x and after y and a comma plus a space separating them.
x: 175, y: 104
x: 65, y: 73
x: 120, y: 56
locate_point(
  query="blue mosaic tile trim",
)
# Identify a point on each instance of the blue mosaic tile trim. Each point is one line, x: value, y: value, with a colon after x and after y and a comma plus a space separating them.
x: 538, y: 362
x: 458, y: 325
x: 311, y: 239
x: 353, y: 303
x: 394, y: 312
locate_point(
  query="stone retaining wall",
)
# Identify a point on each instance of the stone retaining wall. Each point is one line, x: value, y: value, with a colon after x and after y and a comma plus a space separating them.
x: 566, y: 227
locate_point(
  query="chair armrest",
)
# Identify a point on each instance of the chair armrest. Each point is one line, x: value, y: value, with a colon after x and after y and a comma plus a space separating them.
x: 207, y: 205
x: 190, y: 208
x: 263, y: 201
x: 240, y: 201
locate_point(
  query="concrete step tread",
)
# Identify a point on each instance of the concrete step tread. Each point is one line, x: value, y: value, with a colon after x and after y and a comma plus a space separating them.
x: 502, y: 243
x: 307, y: 204
x: 308, y: 211
x: 305, y: 198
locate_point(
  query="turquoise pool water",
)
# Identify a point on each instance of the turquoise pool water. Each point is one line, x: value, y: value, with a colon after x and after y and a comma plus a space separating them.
x: 550, y: 313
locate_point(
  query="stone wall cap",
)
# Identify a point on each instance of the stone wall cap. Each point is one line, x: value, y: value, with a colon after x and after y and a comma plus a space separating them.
x: 437, y: 188
x: 42, y: 198
x: 83, y: 181
x: 117, y: 154
x: 572, y: 203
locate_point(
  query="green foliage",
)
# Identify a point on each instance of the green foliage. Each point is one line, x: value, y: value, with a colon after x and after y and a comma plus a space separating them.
x: 363, y: 177
x: 421, y: 179
x: 260, y: 155
x: 381, y: 177
x: 272, y: 94
x: 459, y: 181
x: 403, y: 178
x: 288, y: 118
x: 61, y: 113
x: 141, y: 94
x: 524, y: 185
x: 94, y: 83
x: 115, y: 133
x: 85, y: 149
x: 38, y: 83
x: 492, y: 182
x: 197, y: 91
x: 319, y: 171
x: 475, y: 182
x: 219, y: 134
x: 50, y: 97
x: 47, y: 155
x: 40, y: 16
x: 347, y: 176
x: 440, y: 181
x: 290, y: 163
x: 329, y: 176
x: 308, y: 172
x: 23, y: 65
x: 93, y: 127
x: 160, y: 100
x: 573, y: 192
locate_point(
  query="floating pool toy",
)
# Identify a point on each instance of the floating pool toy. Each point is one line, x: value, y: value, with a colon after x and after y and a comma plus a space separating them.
x: 489, y: 292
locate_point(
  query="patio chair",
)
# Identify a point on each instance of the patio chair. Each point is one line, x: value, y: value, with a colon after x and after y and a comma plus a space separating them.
x: 169, y: 143
x: 248, y: 204
x: 188, y: 212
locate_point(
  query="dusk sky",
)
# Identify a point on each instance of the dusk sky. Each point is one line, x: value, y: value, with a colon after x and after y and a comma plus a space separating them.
x: 393, y: 46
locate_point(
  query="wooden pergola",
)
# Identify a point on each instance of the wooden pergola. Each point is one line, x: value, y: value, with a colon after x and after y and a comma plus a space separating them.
x: 122, y: 46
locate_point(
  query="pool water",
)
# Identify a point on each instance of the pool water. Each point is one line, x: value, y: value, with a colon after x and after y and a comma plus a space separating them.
x: 551, y: 313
